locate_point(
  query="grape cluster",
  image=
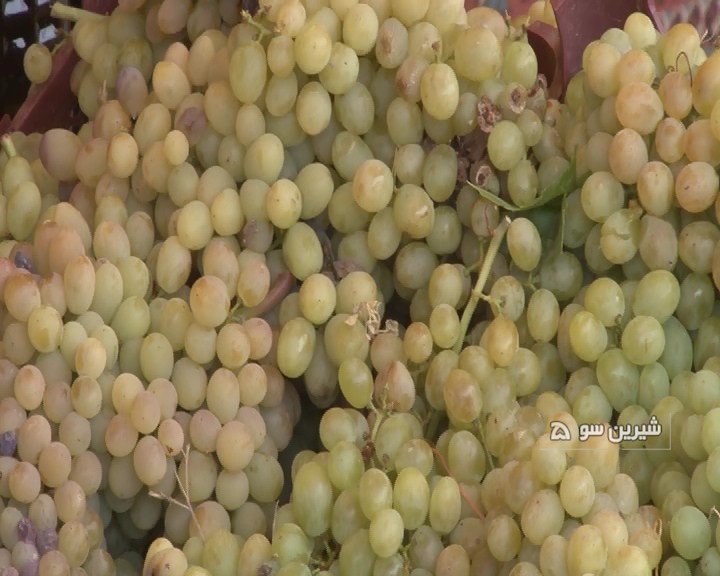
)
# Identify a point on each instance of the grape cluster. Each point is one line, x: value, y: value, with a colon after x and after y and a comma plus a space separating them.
x: 310, y: 290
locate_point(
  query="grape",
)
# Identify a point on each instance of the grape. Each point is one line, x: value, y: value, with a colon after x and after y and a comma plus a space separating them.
x: 22, y: 260
x: 690, y: 534
x: 8, y: 442
x: 26, y: 531
x: 639, y: 107
x: 37, y: 63
x: 506, y: 146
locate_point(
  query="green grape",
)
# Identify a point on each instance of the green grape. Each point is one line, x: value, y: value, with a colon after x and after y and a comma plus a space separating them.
x: 523, y: 184
x: 356, y: 555
x: 220, y: 552
x: 439, y: 172
x: 356, y: 382
x: 601, y: 195
x: 701, y: 388
x: 345, y: 338
x: 503, y: 538
x: 506, y: 146
x: 415, y: 453
x: 411, y: 497
x: 643, y: 340
x: 588, y: 337
x: 638, y: 106
x: 386, y: 532
x: 312, y: 499
x: 658, y: 246
x: 620, y: 236
x: 295, y: 347
x: 690, y: 532
x: 445, y: 505
x: 462, y: 396
x: 478, y: 54
x: 347, y: 516
x: 524, y: 244
x: 657, y: 295
x: 562, y: 275
x: 453, y: 559
x: 336, y: 425
x: 695, y: 303
x: 345, y: 465
x: 542, y: 516
x: 424, y: 548
x: 439, y: 91
x: 374, y: 492
x: 302, y: 251
x: 466, y: 457
x: 549, y: 461
x: 291, y: 544
x: 445, y: 285
x: 543, y: 315
x: 444, y: 324
x: 413, y: 210
x: 393, y: 433
x: 501, y: 339
x: 591, y: 405
x: 372, y: 185
x: 360, y: 28
x: 247, y: 72
x: 618, y: 378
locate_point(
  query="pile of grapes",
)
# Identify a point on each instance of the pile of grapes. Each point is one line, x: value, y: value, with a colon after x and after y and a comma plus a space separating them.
x: 336, y: 288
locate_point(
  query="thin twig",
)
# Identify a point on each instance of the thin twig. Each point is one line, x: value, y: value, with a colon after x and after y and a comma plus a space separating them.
x: 477, y: 292
x: 463, y: 492
x: 185, y: 492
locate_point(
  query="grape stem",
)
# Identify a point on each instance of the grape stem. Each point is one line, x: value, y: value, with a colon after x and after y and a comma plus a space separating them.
x: 72, y: 14
x: 262, y: 30
x: 477, y: 293
x: 432, y: 425
x: 378, y: 420
x: 8, y: 146
x: 470, y: 502
x: 481, y: 433
x: 281, y: 288
x: 185, y: 490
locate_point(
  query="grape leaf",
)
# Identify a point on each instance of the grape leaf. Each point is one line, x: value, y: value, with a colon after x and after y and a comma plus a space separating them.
x: 567, y: 182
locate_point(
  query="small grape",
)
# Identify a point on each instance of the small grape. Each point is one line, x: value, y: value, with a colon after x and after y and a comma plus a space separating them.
x: 46, y: 539
x: 37, y: 63
x: 26, y: 531
x: 8, y: 442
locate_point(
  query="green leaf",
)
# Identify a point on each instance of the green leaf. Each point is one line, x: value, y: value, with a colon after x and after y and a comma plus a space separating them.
x: 562, y: 186
x: 494, y: 198
x: 567, y: 182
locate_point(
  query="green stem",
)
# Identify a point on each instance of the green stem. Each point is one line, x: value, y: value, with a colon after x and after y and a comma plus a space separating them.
x: 262, y: 30
x: 72, y: 14
x: 477, y: 292
x: 8, y: 146
x: 378, y: 421
x: 433, y: 423
x: 561, y: 233
x: 481, y: 433
x: 374, y: 461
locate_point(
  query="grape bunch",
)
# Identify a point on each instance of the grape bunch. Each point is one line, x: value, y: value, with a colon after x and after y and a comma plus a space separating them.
x: 313, y: 286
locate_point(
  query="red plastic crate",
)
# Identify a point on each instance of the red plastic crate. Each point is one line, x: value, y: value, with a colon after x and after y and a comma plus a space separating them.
x: 52, y: 104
